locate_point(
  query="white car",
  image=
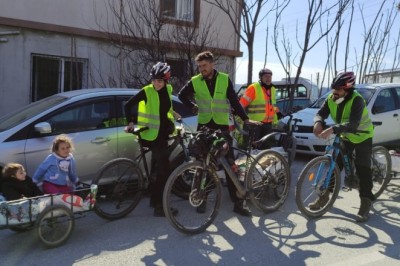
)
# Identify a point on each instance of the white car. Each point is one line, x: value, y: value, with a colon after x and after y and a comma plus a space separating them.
x: 383, y: 103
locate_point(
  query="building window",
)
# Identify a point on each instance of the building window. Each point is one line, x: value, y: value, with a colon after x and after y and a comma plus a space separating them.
x: 179, y: 72
x: 178, y: 67
x: 51, y: 75
x: 180, y: 10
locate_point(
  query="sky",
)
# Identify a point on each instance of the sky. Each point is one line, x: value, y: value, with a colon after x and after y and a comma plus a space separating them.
x: 295, y: 14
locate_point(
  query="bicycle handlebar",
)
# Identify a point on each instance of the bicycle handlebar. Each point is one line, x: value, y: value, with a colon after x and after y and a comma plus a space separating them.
x: 137, y: 131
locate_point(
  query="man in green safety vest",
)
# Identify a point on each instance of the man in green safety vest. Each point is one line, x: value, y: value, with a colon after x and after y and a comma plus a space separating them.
x: 214, y: 97
x: 348, y: 109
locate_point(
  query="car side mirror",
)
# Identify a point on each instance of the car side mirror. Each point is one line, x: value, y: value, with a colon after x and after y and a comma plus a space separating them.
x: 43, y: 128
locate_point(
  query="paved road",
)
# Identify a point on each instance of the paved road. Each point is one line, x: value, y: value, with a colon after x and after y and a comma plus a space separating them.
x: 281, y: 238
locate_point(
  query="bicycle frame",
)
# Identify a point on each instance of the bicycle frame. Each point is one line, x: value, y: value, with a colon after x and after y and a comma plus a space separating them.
x: 242, y: 189
x: 332, y: 152
x: 141, y: 158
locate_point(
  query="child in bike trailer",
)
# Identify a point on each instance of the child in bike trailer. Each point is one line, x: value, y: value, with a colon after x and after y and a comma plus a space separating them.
x: 348, y: 109
x: 57, y: 173
x: 21, y: 194
x: 15, y: 184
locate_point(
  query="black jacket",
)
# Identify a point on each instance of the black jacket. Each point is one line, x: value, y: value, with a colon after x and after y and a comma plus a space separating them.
x: 14, y: 189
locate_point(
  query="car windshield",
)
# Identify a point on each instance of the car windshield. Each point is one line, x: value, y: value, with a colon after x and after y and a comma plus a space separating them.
x: 365, y: 93
x: 20, y: 115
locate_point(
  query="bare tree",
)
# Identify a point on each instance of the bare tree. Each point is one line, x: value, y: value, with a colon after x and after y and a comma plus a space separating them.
x: 250, y: 12
x: 140, y: 37
x: 317, y: 13
x: 190, y: 42
x: 396, y: 59
x: 333, y: 47
x: 370, y: 41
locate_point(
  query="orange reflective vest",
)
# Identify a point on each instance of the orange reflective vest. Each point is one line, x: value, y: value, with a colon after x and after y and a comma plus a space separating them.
x: 260, y: 104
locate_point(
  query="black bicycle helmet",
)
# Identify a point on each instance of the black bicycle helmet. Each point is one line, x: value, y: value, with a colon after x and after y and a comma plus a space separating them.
x: 160, y: 71
x: 264, y: 71
x: 344, y: 80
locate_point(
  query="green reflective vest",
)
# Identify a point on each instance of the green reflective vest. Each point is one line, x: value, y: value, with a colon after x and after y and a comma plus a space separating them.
x: 214, y: 107
x: 365, y: 123
x: 149, y: 112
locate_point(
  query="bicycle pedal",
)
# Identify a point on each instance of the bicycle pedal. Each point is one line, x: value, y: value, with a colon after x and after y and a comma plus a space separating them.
x: 346, y: 189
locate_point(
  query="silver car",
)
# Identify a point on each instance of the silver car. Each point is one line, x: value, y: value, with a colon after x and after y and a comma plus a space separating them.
x: 93, y: 118
x: 383, y: 103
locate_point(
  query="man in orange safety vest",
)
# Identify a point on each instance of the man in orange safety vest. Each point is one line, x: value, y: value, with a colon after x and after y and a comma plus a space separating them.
x: 260, y: 101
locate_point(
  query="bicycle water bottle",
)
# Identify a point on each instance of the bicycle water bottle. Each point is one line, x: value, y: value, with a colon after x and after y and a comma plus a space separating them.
x: 242, y: 172
x: 93, y: 193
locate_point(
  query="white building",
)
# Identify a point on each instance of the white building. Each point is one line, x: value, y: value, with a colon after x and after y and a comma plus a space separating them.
x: 384, y: 76
x: 50, y: 46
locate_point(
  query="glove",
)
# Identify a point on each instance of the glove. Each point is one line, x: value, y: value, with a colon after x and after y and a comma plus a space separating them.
x: 78, y: 185
x: 195, y: 109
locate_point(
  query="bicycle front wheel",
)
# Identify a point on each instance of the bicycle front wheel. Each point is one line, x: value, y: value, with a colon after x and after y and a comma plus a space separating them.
x: 381, y: 165
x: 313, y: 184
x: 120, y: 186
x: 268, y: 180
x: 195, y: 213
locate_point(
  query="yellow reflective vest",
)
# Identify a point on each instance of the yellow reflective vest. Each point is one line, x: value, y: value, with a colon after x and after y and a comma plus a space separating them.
x: 214, y: 107
x: 149, y: 112
x: 365, y: 123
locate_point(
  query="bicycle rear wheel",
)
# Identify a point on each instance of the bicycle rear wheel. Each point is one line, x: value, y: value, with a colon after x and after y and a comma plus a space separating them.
x: 55, y: 225
x: 120, y: 186
x: 198, y: 211
x: 313, y: 183
x: 381, y: 165
x: 268, y: 180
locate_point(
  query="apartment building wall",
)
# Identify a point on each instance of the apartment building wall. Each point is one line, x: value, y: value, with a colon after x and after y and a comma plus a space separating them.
x: 70, y: 31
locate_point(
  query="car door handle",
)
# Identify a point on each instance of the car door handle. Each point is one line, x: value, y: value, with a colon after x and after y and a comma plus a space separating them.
x: 395, y: 115
x: 99, y: 140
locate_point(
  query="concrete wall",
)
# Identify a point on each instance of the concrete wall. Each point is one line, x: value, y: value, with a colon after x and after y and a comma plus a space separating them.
x: 95, y: 15
x: 50, y: 27
x: 15, y: 62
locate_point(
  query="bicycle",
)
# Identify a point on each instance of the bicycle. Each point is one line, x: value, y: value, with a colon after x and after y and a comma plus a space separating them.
x: 315, y: 178
x: 266, y: 181
x: 122, y: 182
x: 283, y: 134
x: 286, y: 139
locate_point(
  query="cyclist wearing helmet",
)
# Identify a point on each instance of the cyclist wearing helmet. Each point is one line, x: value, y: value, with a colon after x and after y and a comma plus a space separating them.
x: 260, y: 100
x: 155, y: 112
x: 348, y: 109
x: 214, y: 96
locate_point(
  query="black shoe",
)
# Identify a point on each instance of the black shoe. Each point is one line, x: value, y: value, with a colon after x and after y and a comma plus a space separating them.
x: 320, y: 202
x: 202, y: 208
x: 363, y: 213
x: 241, y: 208
x: 159, y: 211
x: 151, y: 203
x: 174, y: 211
